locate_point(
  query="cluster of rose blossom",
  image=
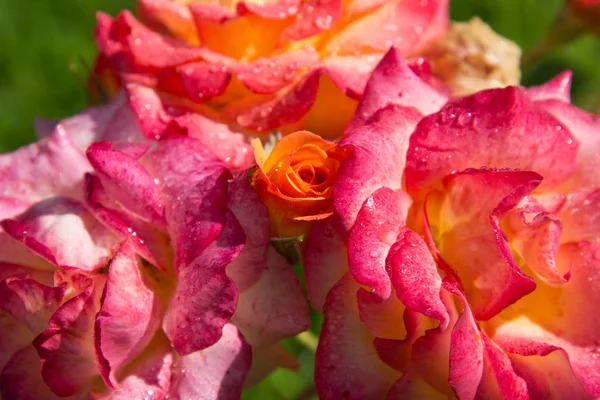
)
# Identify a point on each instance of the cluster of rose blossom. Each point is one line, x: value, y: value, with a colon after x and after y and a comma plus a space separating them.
x: 450, y: 218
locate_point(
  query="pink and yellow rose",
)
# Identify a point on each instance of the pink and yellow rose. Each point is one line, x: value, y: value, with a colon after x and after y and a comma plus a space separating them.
x: 462, y: 257
x: 135, y: 269
x: 260, y: 66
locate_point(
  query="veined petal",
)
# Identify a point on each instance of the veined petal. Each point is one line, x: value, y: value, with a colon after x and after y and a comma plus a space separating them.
x: 63, y: 232
x: 313, y: 16
x: 558, y: 88
x: 344, y: 340
x: 149, y: 376
x: 132, y: 47
x: 269, y: 112
x: 580, y: 217
x: 162, y: 116
x: 585, y: 128
x: 66, y: 348
x: 377, y: 226
x: 113, y: 122
x: 274, y: 307
x: 217, y: 372
x: 269, y: 75
x: 205, y: 298
x: 21, y: 379
x: 471, y: 241
x: 406, y: 24
x: 129, y: 314
x: 29, y: 301
x: 415, y: 277
x: 253, y: 216
x: 193, y: 185
x: 146, y: 239
x: 325, y: 259
x: 350, y: 73
x: 377, y: 150
x: 393, y: 82
x: 497, y: 128
x: 49, y: 167
x: 125, y: 180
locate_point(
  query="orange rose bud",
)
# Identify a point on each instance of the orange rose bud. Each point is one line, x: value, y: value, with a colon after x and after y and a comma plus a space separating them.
x: 296, y: 181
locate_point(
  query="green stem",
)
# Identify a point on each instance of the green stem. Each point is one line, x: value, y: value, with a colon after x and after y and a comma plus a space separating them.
x: 308, y: 340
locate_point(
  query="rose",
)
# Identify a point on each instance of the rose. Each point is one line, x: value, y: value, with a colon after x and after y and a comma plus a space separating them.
x: 131, y: 270
x: 260, y: 67
x: 470, y: 269
x: 296, y: 181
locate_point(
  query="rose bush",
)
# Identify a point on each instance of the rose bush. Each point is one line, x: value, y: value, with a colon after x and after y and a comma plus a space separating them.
x: 136, y: 269
x: 263, y: 66
x: 462, y: 259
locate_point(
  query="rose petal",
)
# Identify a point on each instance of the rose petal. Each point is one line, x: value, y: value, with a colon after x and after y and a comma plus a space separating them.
x: 536, y: 236
x: 585, y: 128
x: 382, y: 317
x: 66, y: 348
x: 144, y: 237
x: 215, y: 373
x: 278, y: 9
x: 229, y: 146
x: 49, y: 167
x: 558, y: 88
x: 268, y: 75
x: 501, y: 380
x: 410, y: 386
x: 253, y: 216
x: 325, y: 259
x: 55, y: 227
x: 393, y: 82
x: 525, y: 338
x: 377, y: 226
x: 270, y: 112
x: 129, y: 314
x: 580, y: 217
x: 131, y: 47
x: 344, y: 340
x: 313, y: 16
x: 205, y: 298
x: 351, y: 73
x: 14, y: 336
x: 497, y: 128
x: 406, y: 24
x: 149, y: 377
x: 30, y: 302
x: 193, y: 185
x: 124, y: 179
x: 158, y: 118
x: 198, y: 81
x: 274, y: 307
x: 21, y: 379
x: 475, y: 201
x: 113, y: 122
x: 378, y: 149
x: 415, y: 276
x: 172, y: 16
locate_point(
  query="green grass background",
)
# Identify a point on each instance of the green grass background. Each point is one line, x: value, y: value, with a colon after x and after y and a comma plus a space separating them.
x: 45, y: 44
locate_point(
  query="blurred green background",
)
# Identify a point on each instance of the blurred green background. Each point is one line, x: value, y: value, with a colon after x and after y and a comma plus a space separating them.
x: 47, y: 46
